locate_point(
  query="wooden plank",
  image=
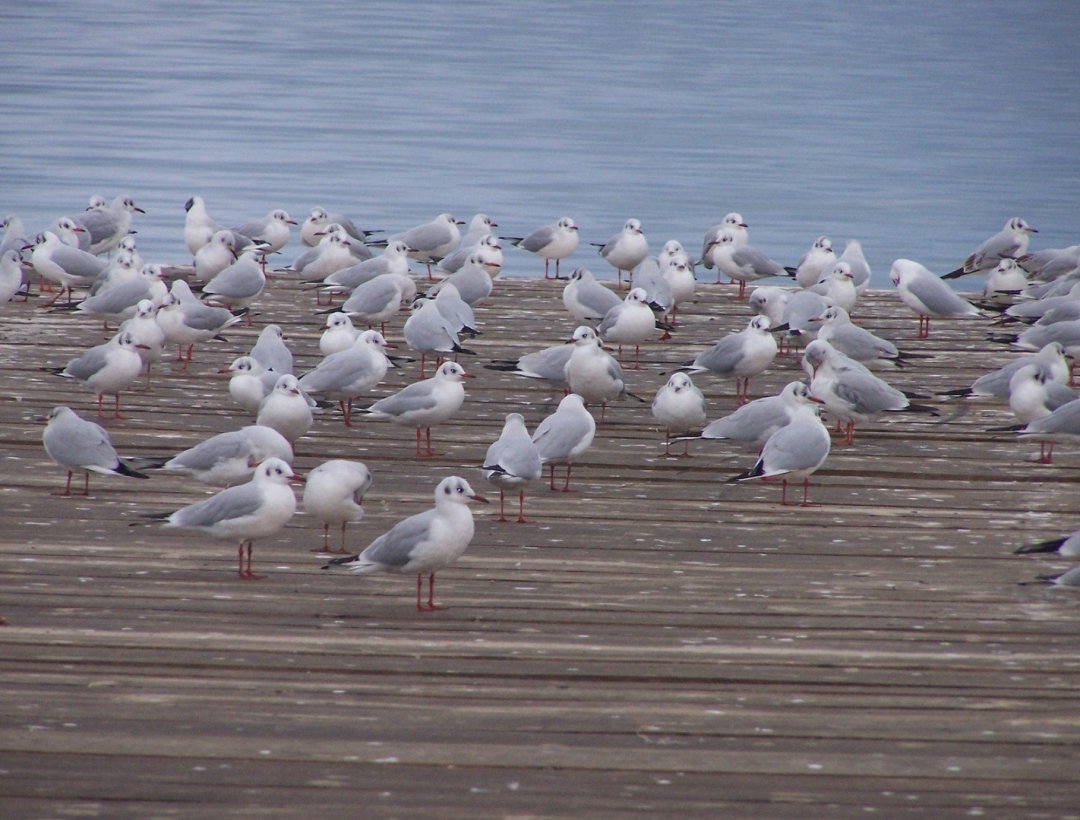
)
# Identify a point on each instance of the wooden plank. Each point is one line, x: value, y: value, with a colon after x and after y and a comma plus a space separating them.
x: 657, y: 642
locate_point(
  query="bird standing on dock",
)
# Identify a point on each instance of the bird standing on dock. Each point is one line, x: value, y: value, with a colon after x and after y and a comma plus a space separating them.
x: 927, y: 295
x: 425, y: 403
x: 334, y: 493
x: 744, y: 354
x: 107, y: 368
x: 625, y: 250
x: 555, y: 241
x: 680, y: 407
x: 433, y: 240
x: 80, y: 445
x: 511, y: 462
x: 564, y: 436
x: 795, y: 451
x: 424, y: 543
x: 286, y: 409
x: 257, y: 509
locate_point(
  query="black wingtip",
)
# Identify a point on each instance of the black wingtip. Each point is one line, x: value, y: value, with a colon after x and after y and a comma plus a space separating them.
x: 124, y: 470
x: 337, y: 562
x: 1052, y: 545
x: 955, y: 274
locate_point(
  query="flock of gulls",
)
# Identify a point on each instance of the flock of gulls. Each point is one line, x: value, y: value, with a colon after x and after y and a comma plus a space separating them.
x: 360, y: 280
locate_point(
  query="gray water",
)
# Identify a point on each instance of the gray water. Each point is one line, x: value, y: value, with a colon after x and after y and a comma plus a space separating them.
x: 917, y: 127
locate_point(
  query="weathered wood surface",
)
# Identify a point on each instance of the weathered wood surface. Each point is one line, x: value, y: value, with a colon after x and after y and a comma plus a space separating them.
x: 656, y: 643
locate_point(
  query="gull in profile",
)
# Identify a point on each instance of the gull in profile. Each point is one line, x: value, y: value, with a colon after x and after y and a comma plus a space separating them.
x: 555, y: 241
x: 1010, y: 242
x: 795, y: 451
x: 79, y: 445
x: 424, y: 543
x: 257, y: 509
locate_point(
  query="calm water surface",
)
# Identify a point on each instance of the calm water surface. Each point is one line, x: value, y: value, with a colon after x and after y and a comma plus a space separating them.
x: 917, y: 127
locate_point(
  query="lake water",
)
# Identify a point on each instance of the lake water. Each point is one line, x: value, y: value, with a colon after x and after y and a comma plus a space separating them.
x: 916, y: 127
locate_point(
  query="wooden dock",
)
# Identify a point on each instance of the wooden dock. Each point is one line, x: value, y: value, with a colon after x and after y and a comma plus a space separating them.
x: 657, y: 643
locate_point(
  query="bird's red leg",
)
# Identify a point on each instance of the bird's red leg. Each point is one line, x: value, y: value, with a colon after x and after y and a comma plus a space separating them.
x: 521, y: 519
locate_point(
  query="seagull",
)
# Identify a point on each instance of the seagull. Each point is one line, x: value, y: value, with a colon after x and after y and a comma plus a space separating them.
x: 11, y: 276
x: 548, y: 364
x: 632, y: 321
x: 679, y: 275
x: 564, y: 435
x: 425, y: 403
x: 800, y: 308
x: 147, y: 334
x: 257, y: 509
x: 680, y: 407
x: 475, y: 239
x: 249, y: 382
x: 238, y: 285
x: 927, y: 295
x: 834, y: 326
x: 586, y: 299
x: 106, y: 368
x: 860, y: 269
x: 427, y: 331
x: 65, y: 266
x: 317, y: 222
x: 187, y: 321
x: 797, y: 450
x: 121, y: 300
x: 424, y: 543
x: 473, y: 279
x: 732, y: 223
x: 592, y: 373
x: 995, y: 384
x: 199, y: 226
x: 1050, y: 263
x: 334, y: 253
x: 849, y: 391
x: 813, y: 263
x: 456, y: 310
x: 349, y: 373
x: 77, y: 444
x: 393, y: 259
x: 512, y: 462
x: 755, y: 421
x: 555, y: 241
x: 334, y: 493
x: 271, y: 351
x: 376, y: 301
x: 432, y: 240
x: 339, y: 335
x: 270, y: 232
x: 109, y: 224
x: 742, y: 262
x: 837, y: 284
x: 1034, y: 394
x: 1008, y: 243
x: 14, y: 236
x: 215, y: 255
x: 228, y: 458
x: 1006, y: 282
x: 286, y: 409
x: 1063, y: 424
x: 625, y: 250
x: 743, y: 355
